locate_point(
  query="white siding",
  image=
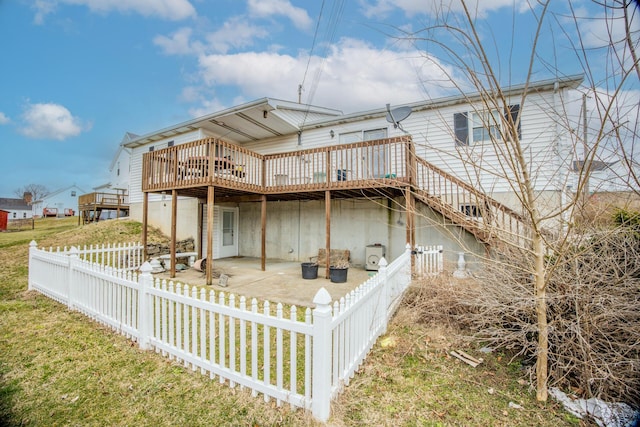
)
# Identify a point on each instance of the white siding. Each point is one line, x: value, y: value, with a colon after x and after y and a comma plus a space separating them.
x: 216, y: 232
x: 135, y: 188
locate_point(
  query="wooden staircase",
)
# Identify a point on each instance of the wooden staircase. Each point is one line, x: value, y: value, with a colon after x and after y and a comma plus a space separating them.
x: 487, y: 219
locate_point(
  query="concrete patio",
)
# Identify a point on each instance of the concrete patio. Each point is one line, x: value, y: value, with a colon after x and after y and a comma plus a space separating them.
x: 281, y: 282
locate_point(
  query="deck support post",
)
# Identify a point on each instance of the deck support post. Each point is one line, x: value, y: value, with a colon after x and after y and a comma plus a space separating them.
x: 209, y: 263
x: 411, y: 228
x: 145, y: 222
x: 327, y: 214
x: 174, y: 213
x: 263, y: 232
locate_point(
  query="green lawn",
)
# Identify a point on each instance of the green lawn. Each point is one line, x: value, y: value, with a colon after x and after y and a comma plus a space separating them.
x: 59, y: 368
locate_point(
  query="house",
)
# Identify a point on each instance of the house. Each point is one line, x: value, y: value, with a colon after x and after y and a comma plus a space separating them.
x: 278, y: 179
x: 17, y: 208
x: 110, y: 200
x: 63, y: 202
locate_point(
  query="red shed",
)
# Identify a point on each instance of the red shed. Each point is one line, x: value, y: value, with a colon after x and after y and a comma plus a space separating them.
x: 4, y: 217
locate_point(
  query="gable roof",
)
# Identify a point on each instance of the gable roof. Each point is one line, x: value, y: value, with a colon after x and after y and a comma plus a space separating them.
x: 570, y: 82
x: 14, y: 204
x: 253, y: 121
x: 121, y: 148
x: 55, y: 193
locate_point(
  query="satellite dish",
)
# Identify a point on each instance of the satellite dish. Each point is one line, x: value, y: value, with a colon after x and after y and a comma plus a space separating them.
x: 397, y: 115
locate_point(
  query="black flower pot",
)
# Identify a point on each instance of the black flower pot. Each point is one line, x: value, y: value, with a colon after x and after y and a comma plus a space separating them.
x: 309, y: 270
x: 338, y: 275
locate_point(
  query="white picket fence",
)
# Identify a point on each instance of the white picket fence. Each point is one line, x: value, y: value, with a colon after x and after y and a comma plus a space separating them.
x: 302, y: 358
x: 428, y: 261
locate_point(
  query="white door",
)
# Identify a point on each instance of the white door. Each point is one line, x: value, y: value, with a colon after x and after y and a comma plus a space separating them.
x: 225, y: 232
x: 228, y: 232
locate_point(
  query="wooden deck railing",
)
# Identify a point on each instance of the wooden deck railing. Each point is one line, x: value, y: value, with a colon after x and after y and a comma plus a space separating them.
x: 356, y: 165
x: 103, y: 198
x: 213, y: 161
x: 204, y: 162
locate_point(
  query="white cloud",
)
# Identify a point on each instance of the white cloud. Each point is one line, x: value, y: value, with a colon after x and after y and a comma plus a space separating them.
x: 42, y: 9
x: 363, y: 76
x: 235, y: 33
x: 266, y: 8
x: 4, y: 119
x: 50, y: 121
x: 179, y: 43
x: 432, y: 8
x: 173, y: 10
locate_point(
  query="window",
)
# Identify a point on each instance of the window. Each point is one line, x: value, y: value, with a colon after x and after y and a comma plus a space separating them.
x: 366, y: 135
x: 471, y: 210
x: 73, y: 194
x: 370, y: 135
x: 367, y: 161
x: 484, y: 125
x: 118, y: 170
x: 349, y: 137
x: 14, y: 215
x: 151, y: 148
x: 170, y: 144
x: 24, y: 215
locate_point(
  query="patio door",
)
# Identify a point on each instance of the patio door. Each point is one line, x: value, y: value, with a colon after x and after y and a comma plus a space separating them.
x: 228, y: 232
x: 225, y: 232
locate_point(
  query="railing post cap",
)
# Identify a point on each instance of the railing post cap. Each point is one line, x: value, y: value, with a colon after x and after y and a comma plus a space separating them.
x: 383, y: 262
x: 73, y: 250
x: 322, y: 297
x: 146, y: 268
x: 408, y: 247
x: 33, y: 244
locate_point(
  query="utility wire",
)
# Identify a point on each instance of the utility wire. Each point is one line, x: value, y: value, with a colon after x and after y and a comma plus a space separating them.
x: 313, y: 45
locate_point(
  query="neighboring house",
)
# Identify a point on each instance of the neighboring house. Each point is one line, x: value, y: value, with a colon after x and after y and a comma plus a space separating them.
x: 119, y: 169
x: 17, y: 208
x: 59, y: 203
x: 280, y: 179
x: 110, y: 200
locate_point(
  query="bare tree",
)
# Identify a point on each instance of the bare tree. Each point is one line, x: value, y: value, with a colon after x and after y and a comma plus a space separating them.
x: 469, y: 55
x: 37, y: 191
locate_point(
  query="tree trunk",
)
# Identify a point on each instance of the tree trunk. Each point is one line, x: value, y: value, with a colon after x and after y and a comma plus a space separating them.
x: 543, y: 327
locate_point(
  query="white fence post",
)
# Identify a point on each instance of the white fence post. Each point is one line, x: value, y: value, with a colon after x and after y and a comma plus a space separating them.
x: 386, y: 291
x: 321, y: 369
x: 33, y: 246
x: 410, y: 270
x: 145, y: 311
x: 71, y: 288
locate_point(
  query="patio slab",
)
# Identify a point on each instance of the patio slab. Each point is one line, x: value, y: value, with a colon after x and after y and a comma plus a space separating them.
x: 281, y: 282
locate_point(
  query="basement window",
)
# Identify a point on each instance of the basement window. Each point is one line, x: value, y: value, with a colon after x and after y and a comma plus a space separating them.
x: 471, y: 210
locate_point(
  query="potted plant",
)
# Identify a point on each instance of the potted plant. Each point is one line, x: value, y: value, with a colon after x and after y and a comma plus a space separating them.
x: 309, y: 270
x: 338, y: 270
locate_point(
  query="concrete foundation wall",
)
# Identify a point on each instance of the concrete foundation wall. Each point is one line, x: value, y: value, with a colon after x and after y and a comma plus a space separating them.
x: 160, y: 216
x: 296, y: 229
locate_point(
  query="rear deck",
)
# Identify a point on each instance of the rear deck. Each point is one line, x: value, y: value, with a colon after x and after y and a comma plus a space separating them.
x: 218, y: 171
x: 90, y: 206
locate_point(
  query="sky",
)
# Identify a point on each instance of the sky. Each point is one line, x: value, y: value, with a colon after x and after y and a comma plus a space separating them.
x: 77, y: 74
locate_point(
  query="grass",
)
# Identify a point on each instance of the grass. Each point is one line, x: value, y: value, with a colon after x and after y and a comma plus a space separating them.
x: 59, y: 368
